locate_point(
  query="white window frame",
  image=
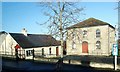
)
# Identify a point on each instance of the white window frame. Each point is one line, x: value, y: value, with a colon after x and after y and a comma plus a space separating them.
x: 73, y: 45
x: 98, y: 33
x: 29, y: 53
x: 84, y: 33
x: 98, y: 45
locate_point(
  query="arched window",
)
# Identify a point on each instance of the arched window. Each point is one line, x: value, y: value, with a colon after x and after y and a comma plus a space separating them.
x: 98, y: 45
x: 73, y: 45
x: 84, y: 33
x: 97, y: 33
x: 73, y: 36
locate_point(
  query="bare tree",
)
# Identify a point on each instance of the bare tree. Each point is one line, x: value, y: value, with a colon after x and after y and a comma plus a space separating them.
x: 60, y: 16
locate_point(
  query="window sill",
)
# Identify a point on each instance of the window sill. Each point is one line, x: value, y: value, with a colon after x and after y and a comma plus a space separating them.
x: 98, y: 48
x: 73, y: 49
x: 98, y: 38
x: 86, y: 38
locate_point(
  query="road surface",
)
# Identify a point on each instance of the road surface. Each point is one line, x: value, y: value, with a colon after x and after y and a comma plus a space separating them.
x: 31, y: 66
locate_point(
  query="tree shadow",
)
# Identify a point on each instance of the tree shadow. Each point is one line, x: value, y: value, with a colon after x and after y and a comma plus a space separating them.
x: 85, y: 63
x: 59, y: 65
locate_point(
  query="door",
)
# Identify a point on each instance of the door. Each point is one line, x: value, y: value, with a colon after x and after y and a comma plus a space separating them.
x: 85, y: 47
x: 57, y: 51
x: 42, y: 51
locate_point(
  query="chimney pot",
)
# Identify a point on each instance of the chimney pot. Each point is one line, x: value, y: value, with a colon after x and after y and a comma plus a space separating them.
x: 24, y: 31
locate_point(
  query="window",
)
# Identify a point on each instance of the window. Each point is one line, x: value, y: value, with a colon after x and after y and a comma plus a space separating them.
x: 97, y: 33
x: 29, y: 52
x: 98, y: 44
x: 50, y: 51
x: 84, y: 33
x: 73, y: 36
x: 73, y: 45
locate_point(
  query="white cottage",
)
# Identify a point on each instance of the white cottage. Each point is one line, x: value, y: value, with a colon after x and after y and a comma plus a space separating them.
x: 43, y: 45
x: 90, y: 37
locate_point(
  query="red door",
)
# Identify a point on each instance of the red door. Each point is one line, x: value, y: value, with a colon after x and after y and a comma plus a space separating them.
x: 85, y: 47
x: 57, y: 51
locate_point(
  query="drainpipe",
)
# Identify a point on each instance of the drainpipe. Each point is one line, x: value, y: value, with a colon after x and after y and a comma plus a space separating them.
x: 33, y: 54
x: 5, y: 41
x: 108, y: 40
x: 5, y: 46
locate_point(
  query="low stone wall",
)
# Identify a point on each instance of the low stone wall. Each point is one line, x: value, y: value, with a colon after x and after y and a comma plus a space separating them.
x: 97, y: 62
x: 102, y: 65
x: 92, y: 61
x: 91, y: 64
x: 46, y: 60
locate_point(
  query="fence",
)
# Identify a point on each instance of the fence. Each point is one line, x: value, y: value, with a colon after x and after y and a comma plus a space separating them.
x: 7, y: 54
x: 12, y: 54
x: 42, y: 54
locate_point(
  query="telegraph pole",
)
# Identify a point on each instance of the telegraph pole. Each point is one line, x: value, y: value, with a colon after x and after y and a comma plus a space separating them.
x: 115, y: 49
x: 119, y: 20
x: 117, y: 37
x: 117, y: 46
x: 115, y: 62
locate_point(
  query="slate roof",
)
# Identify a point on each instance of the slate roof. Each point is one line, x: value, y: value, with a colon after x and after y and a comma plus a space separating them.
x: 34, y: 40
x: 89, y: 23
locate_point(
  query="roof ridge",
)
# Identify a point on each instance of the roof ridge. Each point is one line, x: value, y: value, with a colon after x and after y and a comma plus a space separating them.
x: 94, y: 20
x: 30, y: 34
x: 37, y: 34
x: 88, y: 23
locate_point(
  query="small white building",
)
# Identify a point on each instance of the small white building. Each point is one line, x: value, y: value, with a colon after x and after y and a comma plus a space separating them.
x: 90, y: 37
x: 43, y: 45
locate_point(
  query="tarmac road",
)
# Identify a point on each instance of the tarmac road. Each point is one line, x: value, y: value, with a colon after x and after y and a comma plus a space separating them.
x: 30, y: 66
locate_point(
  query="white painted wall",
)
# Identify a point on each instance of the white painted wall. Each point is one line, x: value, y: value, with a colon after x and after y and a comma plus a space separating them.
x: 46, y: 51
x: 8, y: 44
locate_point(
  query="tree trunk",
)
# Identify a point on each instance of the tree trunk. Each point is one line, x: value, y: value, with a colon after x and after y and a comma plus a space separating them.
x: 61, y: 31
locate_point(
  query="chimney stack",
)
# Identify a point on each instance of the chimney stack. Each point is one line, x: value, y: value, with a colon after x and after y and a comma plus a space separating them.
x: 24, y: 31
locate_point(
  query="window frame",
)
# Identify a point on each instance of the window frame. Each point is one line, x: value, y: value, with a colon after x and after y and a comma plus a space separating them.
x: 98, y: 33
x: 84, y: 33
x: 98, y: 45
x: 73, y: 45
x: 29, y: 52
